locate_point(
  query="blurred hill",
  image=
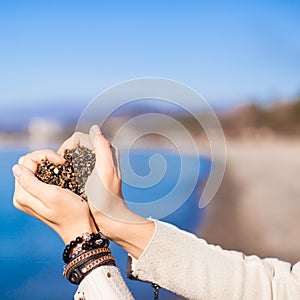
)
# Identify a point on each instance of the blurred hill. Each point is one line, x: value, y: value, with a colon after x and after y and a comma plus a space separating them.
x: 282, y: 118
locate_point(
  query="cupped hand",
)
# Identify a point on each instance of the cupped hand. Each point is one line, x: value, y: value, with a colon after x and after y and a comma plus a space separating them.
x: 104, y: 186
x: 107, y: 159
x: 59, y: 208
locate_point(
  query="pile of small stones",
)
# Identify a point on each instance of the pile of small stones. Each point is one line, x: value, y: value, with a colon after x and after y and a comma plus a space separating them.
x: 73, y: 174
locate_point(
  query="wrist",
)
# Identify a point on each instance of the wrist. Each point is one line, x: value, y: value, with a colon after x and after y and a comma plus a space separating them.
x: 75, y: 230
x: 133, y: 236
x: 115, y: 228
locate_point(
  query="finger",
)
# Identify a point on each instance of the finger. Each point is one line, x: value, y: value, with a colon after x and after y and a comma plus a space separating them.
x: 23, y: 201
x: 31, y: 160
x: 84, y: 140
x: 104, y: 159
x: 69, y: 143
x: 116, y: 160
x: 36, y: 188
x: 37, y: 211
x: 94, y: 132
x: 65, y: 145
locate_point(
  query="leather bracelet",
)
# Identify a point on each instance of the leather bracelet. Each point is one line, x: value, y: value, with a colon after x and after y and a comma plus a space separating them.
x: 96, y: 263
x: 85, y: 256
x: 77, y: 273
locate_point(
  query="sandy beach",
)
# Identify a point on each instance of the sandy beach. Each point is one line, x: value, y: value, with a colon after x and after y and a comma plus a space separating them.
x: 257, y: 208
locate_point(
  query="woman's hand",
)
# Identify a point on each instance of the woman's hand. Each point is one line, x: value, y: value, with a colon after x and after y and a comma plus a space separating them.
x: 59, y: 208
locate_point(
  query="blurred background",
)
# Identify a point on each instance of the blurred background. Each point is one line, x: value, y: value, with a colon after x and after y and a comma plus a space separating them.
x: 243, y: 57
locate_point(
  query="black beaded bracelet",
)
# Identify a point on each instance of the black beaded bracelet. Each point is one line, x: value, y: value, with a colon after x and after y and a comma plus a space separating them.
x: 89, y: 241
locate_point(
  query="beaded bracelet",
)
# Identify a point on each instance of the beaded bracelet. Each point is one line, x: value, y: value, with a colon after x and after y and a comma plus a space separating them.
x: 88, y: 240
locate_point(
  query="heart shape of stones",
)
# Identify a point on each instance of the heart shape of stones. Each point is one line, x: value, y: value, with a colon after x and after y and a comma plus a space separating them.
x: 73, y: 174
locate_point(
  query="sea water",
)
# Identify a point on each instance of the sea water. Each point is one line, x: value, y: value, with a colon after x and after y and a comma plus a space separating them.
x: 30, y: 252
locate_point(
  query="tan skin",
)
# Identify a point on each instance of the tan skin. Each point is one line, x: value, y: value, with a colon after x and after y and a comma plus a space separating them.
x: 64, y: 211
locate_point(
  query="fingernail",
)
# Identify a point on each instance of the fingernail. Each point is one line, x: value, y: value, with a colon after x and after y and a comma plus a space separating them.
x: 96, y: 129
x: 17, y: 170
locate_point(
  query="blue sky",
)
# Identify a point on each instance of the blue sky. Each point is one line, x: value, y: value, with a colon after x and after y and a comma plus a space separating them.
x: 229, y: 51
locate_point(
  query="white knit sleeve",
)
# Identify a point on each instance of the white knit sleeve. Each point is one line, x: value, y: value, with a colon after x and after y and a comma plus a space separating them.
x: 103, y: 283
x: 187, y: 265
